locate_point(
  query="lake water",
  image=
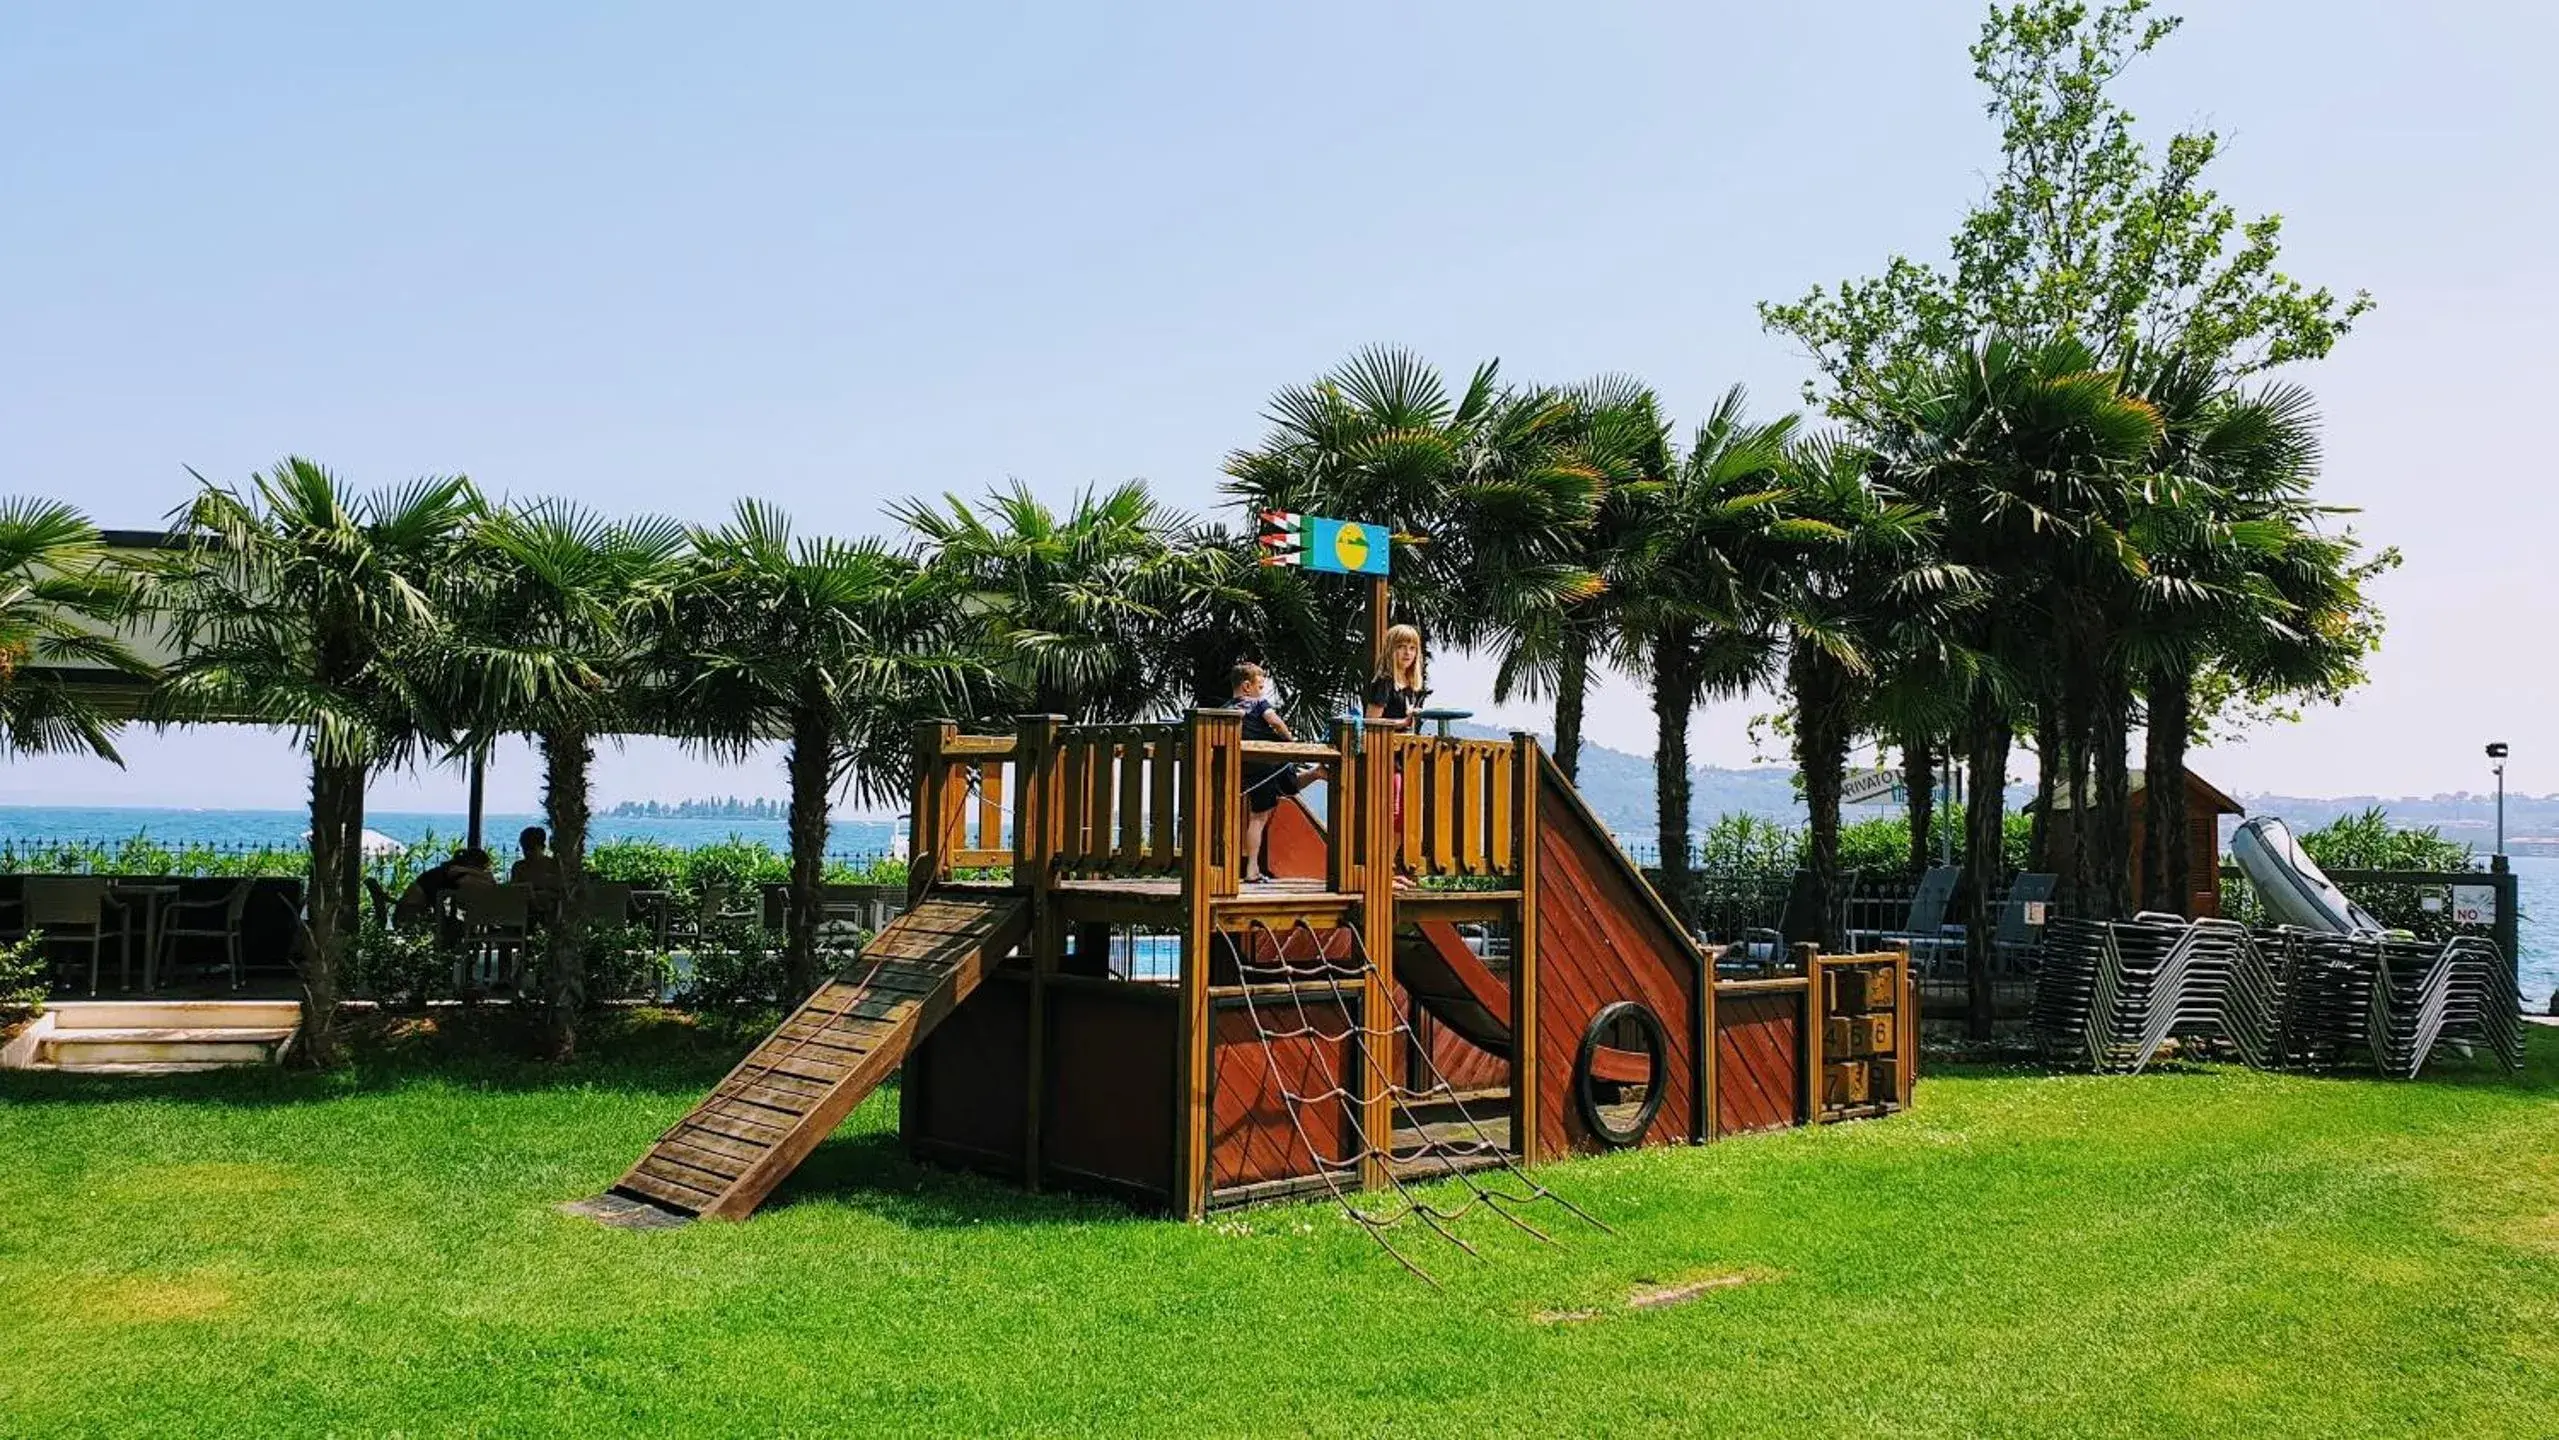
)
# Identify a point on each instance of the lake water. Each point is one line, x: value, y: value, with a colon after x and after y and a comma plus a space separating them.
x: 865, y: 837
x: 850, y: 838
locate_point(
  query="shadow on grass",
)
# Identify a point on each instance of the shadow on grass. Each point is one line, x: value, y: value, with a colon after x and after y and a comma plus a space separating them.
x: 872, y: 1173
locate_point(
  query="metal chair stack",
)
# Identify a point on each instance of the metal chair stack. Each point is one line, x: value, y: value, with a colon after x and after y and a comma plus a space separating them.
x: 2215, y: 985
x: 2429, y: 994
x: 2116, y: 992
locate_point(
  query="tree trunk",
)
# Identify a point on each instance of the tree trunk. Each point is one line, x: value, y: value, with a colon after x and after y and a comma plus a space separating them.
x: 2077, y: 844
x: 337, y: 823
x: 1572, y: 690
x: 1821, y: 756
x: 2167, y: 881
x: 1674, y: 701
x: 2110, y: 836
x: 810, y: 769
x: 568, y: 756
x: 2039, y: 831
x: 1919, y: 783
x: 1985, y: 834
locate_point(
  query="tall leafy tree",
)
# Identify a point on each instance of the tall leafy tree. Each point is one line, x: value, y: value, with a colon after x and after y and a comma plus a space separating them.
x: 1696, y: 610
x: 2086, y: 230
x: 2092, y: 234
x: 61, y: 606
x: 561, y: 610
x: 299, y: 602
x: 832, y: 648
x: 1615, y: 436
x: 1084, y: 609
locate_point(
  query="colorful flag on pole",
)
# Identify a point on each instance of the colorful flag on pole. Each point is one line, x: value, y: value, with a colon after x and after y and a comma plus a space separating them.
x: 1341, y: 547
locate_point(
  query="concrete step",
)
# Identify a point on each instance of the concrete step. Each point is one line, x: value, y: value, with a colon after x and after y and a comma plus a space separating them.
x: 140, y: 1067
x: 86, y: 1049
x: 174, y: 1014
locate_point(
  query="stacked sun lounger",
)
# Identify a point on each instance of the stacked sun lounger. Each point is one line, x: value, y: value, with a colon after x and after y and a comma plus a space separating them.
x: 2116, y: 992
x: 2428, y: 995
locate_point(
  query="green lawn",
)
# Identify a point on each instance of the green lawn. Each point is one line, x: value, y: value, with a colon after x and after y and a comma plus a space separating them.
x: 2204, y: 1252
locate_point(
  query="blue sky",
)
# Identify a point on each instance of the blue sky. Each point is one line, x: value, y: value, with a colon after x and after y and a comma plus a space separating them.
x: 655, y: 257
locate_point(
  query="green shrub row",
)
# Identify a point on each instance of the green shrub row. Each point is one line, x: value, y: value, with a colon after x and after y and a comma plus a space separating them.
x: 737, y: 865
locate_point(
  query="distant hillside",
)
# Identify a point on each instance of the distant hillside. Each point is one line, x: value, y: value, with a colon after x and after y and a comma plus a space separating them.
x: 1619, y: 788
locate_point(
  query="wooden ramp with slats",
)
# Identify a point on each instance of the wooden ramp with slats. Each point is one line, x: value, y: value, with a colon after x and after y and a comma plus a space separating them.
x: 774, y: 1108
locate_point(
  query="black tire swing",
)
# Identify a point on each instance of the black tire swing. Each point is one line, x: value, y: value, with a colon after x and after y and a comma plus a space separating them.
x: 1586, y: 1085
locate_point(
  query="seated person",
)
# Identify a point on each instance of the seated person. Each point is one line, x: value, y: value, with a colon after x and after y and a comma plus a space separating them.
x: 428, y: 894
x: 1265, y: 784
x: 539, y: 868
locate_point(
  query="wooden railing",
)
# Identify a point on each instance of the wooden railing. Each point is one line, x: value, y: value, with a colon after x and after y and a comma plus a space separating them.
x: 1155, y: 801
x: 1119, y: 801
x: 1461, y: 806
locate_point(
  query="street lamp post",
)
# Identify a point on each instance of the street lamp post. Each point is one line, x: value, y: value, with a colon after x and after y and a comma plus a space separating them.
x: 2497, y: 761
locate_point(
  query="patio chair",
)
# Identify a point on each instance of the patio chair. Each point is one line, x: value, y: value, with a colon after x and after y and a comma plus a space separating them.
x: 70, y: 909
x: 2013, y: 944
x: 211, y: 919
x: 1924, y: 928
x: 496, y: 921
x: 381, y: 898
x: 1762, y: 949
x: 608, y: 902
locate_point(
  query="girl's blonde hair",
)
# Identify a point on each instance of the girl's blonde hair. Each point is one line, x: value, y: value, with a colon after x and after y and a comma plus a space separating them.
x: 1396, y: 637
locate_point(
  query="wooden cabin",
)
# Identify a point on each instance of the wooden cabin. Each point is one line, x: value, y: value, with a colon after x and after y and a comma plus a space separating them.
x: 2205, y: 805
x: 1084, y: 995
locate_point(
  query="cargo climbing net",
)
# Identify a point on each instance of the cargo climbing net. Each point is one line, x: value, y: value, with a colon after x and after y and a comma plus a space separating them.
x: 1272, y: 965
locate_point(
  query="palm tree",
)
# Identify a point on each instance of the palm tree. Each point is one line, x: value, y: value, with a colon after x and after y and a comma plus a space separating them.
x: 2027, y: 452
x: 2239, y: 580
x: 1862, y: 592
x: 835, y: 648
x: 1694, y: 608
x: 1083, y: 610
x: 1483, y: 494
x: 60, y: 605
x: 301, y: 603
x: 1614, y: 437
x: 561, y: 613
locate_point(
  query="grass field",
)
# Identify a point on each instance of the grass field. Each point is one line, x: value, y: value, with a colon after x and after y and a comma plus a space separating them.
x: 2208, y: 1252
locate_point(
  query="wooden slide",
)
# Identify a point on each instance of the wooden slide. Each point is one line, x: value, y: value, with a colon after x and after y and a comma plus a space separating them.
x: 757, y: 1125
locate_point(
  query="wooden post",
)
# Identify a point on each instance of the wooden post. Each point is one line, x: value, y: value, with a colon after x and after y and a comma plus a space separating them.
x: 1905, y: 1025
x: 1212, y: 785
x: 927, y: 824
x: 1808, y: 957
x: 1377, y: 625
x: 1035, y: 820
x: 1377, y: 936
x: 1524, y: 1056
x: 1342, y: 834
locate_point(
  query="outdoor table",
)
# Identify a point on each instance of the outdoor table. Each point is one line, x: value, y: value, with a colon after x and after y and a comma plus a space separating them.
x: 152, y: 896
x: 1441, y: 718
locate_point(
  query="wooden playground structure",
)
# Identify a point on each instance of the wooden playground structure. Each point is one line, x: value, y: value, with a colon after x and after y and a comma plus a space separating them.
x: 1457, y: 974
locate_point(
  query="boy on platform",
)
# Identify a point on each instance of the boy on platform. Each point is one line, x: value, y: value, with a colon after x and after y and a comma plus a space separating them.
x: 1265, y: 784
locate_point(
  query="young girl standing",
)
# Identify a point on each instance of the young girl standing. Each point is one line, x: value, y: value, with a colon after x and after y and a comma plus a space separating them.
x: 1396, y: 692
x: 1394, y: 702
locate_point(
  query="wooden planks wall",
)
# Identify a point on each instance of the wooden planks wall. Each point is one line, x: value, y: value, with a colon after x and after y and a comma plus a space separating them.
x: 1109, y: 1111
x: 1759, y: 1059
x: 1253, y: 1138
x: 965, y: 1089
x: 1601, y: 940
